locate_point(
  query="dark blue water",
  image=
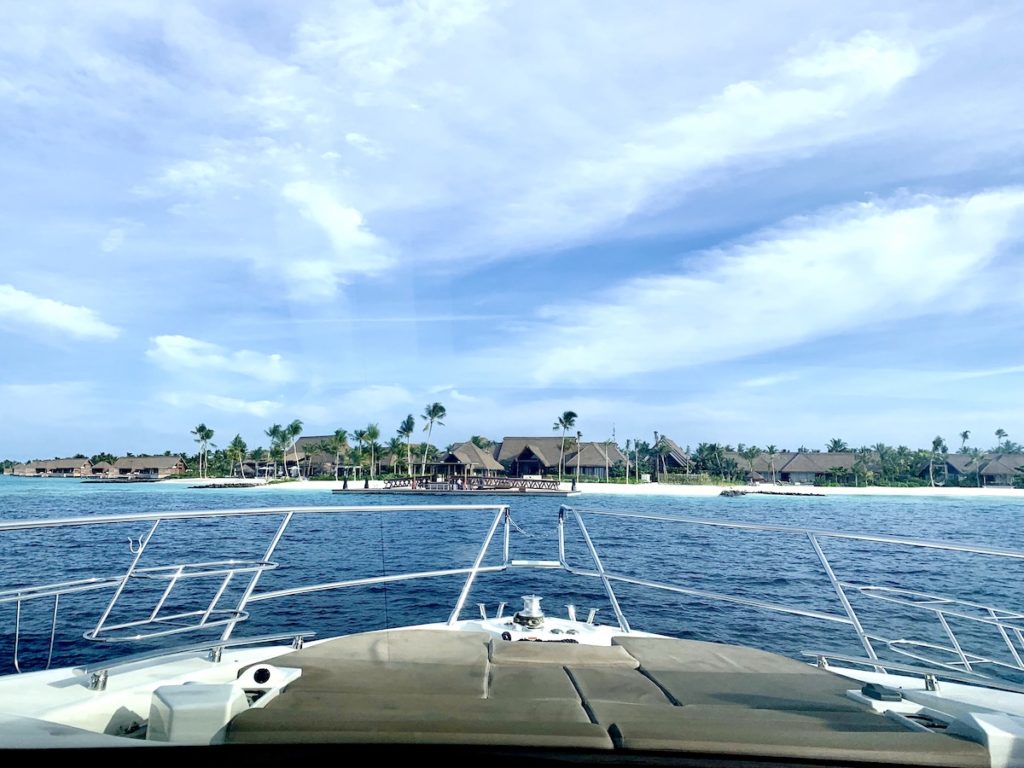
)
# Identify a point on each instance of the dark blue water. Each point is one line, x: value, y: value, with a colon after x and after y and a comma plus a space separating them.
x: 323, y: 548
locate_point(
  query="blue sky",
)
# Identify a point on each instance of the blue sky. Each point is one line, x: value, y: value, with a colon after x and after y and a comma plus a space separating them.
x: 722, y: 221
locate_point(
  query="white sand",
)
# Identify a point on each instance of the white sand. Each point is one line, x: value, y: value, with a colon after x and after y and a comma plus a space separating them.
x: 648, y: 489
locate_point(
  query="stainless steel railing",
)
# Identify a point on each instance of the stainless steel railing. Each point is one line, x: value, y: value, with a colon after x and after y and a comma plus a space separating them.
x: 155, y: 622
x: 1009, y: 625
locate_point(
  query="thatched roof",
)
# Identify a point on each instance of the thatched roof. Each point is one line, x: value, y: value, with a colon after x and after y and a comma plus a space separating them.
x: 137, y: 463
x: 822, y: 463
x: 675, y: 453
x: 304, y: 445
x: 472, y: 455
x: 1003, y: 464
x: 546, y: 449
x: 595, y: 455
x: 53, y: 465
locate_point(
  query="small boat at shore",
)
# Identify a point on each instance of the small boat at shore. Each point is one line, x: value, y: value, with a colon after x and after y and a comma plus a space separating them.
x: 501, y: 684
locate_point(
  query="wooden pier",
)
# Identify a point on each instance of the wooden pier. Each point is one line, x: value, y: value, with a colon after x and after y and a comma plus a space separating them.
x: 490, y: 486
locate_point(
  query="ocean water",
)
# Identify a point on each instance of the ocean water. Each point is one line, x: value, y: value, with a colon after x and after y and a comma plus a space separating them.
x: 320, y: 548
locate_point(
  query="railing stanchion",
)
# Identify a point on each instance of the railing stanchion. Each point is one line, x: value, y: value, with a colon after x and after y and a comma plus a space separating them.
x: 1006, y: 639
x: 53, y: 629
x: 561, y: 536
x: 844, y: 600
x: 468, y: 585
x: 623, y: 624
x: 216, y: 598
x: 226, y: 634
x: 17, y: 633
x: 143, y: 543
x: 163, y: 598
x: 954, y: 641
x: 508, y: 535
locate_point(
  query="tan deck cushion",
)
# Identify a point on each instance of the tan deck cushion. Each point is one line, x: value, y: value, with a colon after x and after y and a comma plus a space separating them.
x: 564, y: 654
x: 698, y: 656
x: 431, y: 646
x: 317, y: 711
x: 801, y: 735
x: 490, y: 733
x: 615, y: 684
x: 514, y: 681
x: 813, y: 690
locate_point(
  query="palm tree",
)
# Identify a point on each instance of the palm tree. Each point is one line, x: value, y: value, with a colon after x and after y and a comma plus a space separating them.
x: 394, y: 449
x: 406, y: 429
x: 938, y: 449
x: 292, y: 432
x: 964, y: 437
x: 771, y: 450
x: 749, y: 454
x: 977, y: 455
x: 360, y: 436
x: 372, y: 435
x: 258, y: 455
x: 237, y: 449
x: 311, y: 450
x: 836, y: 445
x: 565, y: 422
x: 276, y: 435
x: 431, y: 414
x: 481, y: 442
x: 1001, y: 435
x: 203, y: 435
x: 884, y: 454
x: 339, y: 444
x: 629, y: 444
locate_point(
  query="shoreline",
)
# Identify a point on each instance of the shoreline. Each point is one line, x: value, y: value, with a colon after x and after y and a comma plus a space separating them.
x: 643, y: 489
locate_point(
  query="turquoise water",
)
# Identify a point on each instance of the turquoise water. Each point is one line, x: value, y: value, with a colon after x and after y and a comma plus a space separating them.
x: 321, y: 548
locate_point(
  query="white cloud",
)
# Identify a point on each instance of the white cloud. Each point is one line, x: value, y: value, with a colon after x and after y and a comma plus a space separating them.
x: 113, y: 240
x: 260, y: 408
x: 984, y: 373
x: 805, y: 105
x: 21, y: 308
x: 769, y: 381
x: 356, y: 250
x: 365, y: 145
x: 375, y: 398
x: 178, y: 353
x: 811, y: 278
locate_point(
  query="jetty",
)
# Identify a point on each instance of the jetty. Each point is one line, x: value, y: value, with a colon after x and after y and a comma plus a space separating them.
x: 478, y: 486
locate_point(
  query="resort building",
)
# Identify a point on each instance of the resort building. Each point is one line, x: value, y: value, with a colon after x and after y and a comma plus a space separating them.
x: 595, y: 460
x: 805, y: 468
x: 468, y: 459
x: 102, y: 469
x: 531, y: 455
x: 673, y: 458
x: 522, y: 456
x: 148, y: 467
x: 76, y: 467
x: 1002, y: 468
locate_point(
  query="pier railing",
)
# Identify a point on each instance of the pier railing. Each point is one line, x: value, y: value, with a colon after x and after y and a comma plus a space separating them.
x: 470, y: 483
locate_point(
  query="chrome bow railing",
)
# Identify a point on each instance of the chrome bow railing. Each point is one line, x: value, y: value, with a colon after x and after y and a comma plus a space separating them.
x: 156, y: 622
x: 1007, y: 625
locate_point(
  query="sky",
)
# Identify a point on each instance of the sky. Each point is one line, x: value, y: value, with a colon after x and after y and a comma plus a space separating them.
x: 724, y: 221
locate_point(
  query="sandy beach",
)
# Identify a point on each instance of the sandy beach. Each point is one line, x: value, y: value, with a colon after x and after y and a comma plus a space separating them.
x: 650, y: 489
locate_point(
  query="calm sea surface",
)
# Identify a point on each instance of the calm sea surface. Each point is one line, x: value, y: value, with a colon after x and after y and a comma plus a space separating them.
x: 321, y: 548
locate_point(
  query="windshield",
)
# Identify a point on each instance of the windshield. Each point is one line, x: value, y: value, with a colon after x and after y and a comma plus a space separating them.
x: 392, y: 253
